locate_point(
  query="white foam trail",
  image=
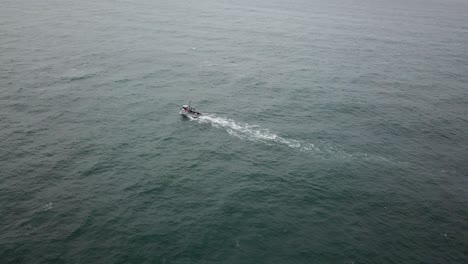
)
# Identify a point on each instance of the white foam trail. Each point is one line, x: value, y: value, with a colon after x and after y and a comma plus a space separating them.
x: 252, y: 132
x: 256, y: 133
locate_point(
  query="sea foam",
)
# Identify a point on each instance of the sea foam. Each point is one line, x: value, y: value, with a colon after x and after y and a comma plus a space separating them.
x: 252, y: 132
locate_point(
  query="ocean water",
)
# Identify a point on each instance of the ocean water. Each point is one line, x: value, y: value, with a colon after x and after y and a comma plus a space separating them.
x: 334, y: 131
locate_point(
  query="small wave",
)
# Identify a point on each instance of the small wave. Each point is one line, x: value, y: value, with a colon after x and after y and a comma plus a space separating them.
x: 77, y: 75
x: 47, y: 206
x: 252, y: 132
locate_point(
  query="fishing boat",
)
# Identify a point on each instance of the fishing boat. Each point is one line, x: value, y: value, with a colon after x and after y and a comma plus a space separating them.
x: 188, y: 111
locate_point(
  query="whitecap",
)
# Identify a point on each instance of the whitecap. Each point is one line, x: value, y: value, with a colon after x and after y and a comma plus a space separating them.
x: 47, y: 206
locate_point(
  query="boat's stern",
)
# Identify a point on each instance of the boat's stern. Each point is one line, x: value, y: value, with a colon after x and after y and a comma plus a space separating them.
x: 188, y: 112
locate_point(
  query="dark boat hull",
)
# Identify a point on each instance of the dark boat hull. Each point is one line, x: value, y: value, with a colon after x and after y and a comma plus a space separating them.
x: 190, y: 114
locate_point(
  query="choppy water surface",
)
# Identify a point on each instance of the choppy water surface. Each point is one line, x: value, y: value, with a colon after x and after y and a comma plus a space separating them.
x: 335, y: 131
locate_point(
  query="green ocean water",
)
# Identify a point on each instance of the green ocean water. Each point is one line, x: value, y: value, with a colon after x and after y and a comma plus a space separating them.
x: 334, y: 131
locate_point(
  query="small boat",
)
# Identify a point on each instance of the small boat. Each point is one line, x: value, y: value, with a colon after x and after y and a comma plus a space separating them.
x: 188, y: 111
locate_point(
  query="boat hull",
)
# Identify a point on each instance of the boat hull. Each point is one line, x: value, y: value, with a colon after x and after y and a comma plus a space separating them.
x: 189, y: 115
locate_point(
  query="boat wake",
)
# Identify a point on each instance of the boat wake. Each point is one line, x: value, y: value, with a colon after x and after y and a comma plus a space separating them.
x: 322, y: 149
x: 252, y: 132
